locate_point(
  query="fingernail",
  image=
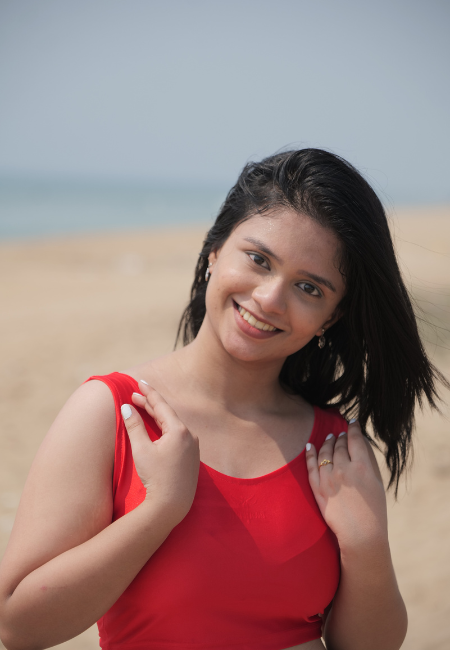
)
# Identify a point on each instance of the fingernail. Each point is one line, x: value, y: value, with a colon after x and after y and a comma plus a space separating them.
x: 143, y: 381
x: 308, y: 446
x: 126, y: 411
x: 352, y: 420
x: 342, y: 434
x: 330, y: 435
x: 140, y: 394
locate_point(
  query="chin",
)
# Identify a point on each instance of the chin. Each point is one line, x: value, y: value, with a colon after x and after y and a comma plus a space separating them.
x: 242, y: 351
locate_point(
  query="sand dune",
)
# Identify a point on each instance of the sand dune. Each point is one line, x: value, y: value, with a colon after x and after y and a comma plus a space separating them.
x: 77, y: 306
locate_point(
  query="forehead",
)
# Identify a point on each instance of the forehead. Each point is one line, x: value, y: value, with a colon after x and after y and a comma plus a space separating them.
x: 293, y: 232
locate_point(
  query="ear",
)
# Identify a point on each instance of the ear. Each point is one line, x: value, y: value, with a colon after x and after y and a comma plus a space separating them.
x: 335, y: 316
x: 213, y: 256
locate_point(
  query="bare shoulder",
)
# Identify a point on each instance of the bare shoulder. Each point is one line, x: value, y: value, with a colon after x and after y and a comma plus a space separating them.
x: 67, y: 498
x: 91, y: 404
x: 161, y: 373
x: 83, y: 430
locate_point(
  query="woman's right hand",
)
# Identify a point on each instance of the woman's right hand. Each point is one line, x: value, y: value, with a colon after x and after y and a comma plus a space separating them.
x: 168, y: 467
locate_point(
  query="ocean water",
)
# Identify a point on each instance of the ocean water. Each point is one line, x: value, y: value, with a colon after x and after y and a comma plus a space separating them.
x: 34, y: 209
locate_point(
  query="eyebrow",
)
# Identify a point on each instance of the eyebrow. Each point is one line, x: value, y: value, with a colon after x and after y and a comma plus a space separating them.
x: 317, y: 278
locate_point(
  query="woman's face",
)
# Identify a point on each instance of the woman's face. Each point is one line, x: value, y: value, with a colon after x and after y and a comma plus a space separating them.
x: 274, y: 285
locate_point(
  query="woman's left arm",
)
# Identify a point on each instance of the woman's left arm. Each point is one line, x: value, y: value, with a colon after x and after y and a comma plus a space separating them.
x: 368, y: 611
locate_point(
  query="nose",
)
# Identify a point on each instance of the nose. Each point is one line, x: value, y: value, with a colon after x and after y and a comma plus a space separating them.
x: 270, y: 296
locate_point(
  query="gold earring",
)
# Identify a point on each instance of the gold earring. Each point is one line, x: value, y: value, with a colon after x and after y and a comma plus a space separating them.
x: 321, y: 342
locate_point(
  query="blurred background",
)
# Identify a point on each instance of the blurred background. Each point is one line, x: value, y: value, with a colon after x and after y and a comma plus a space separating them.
x: 122, y: 127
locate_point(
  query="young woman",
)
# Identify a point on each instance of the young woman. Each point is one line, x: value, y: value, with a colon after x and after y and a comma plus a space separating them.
x: 257, y: 520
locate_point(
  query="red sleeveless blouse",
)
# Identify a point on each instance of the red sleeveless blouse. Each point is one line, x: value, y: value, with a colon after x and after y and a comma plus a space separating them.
x: 250, y: 567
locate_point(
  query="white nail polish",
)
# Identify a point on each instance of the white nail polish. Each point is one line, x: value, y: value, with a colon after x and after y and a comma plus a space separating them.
x: 139, y: 394
x: 352, y: 420
x: 143, y: 381
x: 308, y: 446
x: 330, y: 435
x: 126, y: 411
x: 342, y: 434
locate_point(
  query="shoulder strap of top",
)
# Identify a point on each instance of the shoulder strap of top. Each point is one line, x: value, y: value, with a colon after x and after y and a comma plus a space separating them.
x: 329, y: 421
x: 122, y: 387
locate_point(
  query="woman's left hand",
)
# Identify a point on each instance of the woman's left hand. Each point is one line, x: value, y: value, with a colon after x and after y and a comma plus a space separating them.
x: 349, y: 491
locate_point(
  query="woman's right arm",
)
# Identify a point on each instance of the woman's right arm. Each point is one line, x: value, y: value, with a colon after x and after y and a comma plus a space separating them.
x: 66, y: 563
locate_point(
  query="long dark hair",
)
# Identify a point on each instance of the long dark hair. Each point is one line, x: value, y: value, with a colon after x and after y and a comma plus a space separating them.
x: 374, y: 364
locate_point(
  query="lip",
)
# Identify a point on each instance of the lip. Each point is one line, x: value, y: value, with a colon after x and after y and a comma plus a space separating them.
x: 248, y: 329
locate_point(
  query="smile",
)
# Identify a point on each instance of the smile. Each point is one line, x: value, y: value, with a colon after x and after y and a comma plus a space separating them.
x: 254, y: 322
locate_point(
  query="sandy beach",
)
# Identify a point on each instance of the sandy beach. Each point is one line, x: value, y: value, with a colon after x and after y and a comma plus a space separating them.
x: 84, y: 305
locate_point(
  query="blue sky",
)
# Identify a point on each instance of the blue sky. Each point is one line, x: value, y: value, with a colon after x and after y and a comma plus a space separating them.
x: 187, y: 91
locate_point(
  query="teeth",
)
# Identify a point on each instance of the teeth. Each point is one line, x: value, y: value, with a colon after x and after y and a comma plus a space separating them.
x: 256, y: 323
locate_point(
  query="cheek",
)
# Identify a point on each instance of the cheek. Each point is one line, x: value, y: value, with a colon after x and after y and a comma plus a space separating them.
x: 218, y: 292
x: 228, y: 281
x: 307, y: 317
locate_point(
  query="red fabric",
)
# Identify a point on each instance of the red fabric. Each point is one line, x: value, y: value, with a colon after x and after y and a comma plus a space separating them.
x: 250, y: 567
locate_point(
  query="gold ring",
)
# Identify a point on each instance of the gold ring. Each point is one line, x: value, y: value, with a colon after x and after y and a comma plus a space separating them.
x: 325, y: 462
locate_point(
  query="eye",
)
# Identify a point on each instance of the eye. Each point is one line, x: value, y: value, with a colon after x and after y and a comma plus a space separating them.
x: 259, y: 260
x: 308, y: 288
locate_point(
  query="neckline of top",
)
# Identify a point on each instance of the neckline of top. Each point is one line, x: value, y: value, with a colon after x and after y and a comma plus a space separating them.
x: 253, y: 479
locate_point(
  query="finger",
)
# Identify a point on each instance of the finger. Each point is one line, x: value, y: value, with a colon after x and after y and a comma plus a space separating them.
x: 341, y: 448
x: 326, y: 452
x: 163, y: 413
x: 145, y: 389
x: 311, y: 465
x: 357, y: 447
x: 135, y: 427
x: 140, y: 399
x: 142, y: 402
x: 143, y: 386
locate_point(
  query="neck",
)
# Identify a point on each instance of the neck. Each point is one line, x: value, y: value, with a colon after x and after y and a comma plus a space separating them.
x: 237, y: 385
